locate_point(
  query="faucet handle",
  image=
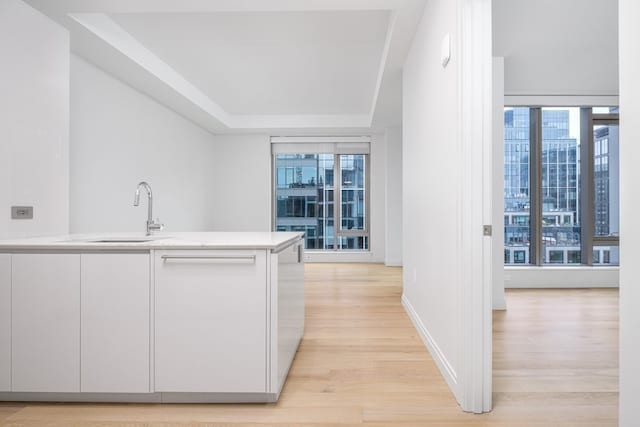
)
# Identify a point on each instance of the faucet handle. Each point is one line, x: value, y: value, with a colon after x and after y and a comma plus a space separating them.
x: 155, y: 225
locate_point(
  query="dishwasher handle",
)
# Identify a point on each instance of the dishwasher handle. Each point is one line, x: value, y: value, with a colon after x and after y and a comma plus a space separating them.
x: 213, y: 259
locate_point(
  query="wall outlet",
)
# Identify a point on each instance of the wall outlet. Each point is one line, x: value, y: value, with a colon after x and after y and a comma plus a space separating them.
x: 21, y: 212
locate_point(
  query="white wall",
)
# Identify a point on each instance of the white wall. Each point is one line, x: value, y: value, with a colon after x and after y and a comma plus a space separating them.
x: 120, y: 137
x: 34, y: 121
x: 432, y: 187
x: 242, y: 176
x: 393, y: 197
x: 629, y: 208
x: 551, y: 47
x: 378, y: 177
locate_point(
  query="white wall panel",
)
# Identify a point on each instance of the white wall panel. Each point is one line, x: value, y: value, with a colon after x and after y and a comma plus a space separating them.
x: 34, y: 121
x: 120, y: 137
x: 629, y: 208
x: 432, y: 187
x: 393, y: 197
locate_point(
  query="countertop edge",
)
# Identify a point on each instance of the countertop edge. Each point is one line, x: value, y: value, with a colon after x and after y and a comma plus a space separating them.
x: 160, y: 244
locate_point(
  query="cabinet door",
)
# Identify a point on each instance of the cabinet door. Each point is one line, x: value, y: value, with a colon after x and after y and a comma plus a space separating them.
x: 115, y: 323
x: 210, y: 330
x: 5, y: 322
x: 46, y: 322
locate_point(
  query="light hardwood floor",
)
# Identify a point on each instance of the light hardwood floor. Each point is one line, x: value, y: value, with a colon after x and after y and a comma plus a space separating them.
x: 362, y: 363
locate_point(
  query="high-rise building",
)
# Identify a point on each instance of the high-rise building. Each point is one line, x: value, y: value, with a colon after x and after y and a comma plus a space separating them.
x: 305, y: 199
x: 606, y: 180
x: 516, y: 185
x: 606, y: 197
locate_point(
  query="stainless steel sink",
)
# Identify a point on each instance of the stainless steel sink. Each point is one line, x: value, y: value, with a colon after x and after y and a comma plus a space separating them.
x: 118, y: 239
x: 127, y: 239
x: 123, y: 240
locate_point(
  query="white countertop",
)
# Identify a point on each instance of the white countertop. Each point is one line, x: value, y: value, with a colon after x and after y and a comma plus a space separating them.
x: 194, y: 240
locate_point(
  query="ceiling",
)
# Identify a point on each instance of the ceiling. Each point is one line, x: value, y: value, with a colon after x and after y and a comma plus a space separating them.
x: 237, y: 65
x: 557, y: 47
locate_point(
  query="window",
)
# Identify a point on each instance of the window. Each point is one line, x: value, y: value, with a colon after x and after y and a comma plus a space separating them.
x: 556, y: 257
x: 606, y: 204
x: 604, y: 201
x: 574, y: 257
x: 323, y: 190
x: 519, y: 257
x: 606, y: 255
x: 516, y: 184
x: 561, y: 185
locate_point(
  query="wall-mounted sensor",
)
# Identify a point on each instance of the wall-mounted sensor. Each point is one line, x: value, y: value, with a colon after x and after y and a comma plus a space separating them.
x: 445, y: 51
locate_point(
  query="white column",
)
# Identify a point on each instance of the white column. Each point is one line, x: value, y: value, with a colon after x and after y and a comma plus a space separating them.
x: 629, y: 208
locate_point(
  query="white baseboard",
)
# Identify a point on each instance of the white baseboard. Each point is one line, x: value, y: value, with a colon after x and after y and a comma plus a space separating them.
x: 443, y: 364
x: 499, y: 305
x: 498, y: 301
x: 561, y: 277
x: 159, y: 397
x: 341, y: 256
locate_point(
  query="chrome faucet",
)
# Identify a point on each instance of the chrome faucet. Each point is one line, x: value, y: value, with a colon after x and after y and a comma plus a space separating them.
x: 151, y: 224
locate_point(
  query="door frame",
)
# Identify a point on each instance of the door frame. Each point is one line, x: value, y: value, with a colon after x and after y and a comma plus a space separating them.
x: 476, y: 145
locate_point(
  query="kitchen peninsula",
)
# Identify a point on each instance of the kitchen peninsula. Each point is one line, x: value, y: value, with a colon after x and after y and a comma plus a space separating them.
x: 176, y: 317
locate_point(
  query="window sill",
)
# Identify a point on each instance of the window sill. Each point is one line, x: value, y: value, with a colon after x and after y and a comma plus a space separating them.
x: 571, y: 267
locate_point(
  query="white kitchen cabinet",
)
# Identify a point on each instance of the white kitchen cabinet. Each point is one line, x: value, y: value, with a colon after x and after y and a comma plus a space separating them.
x: 115, y: 319
x: 210, y: 314
x: 45, y: 322
x: 5, y: 322
x: 287, y: 311
x: 197, y: 317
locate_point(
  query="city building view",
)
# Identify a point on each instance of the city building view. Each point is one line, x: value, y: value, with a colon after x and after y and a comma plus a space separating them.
x: 306, y: 186
x: 606, y: 189
x: 561, y: 198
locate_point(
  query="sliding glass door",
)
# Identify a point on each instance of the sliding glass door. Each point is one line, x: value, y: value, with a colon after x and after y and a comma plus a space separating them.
x: 324, y: 195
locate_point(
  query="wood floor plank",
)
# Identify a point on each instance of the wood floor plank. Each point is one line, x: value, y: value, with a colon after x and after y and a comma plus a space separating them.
x: 7, y: 410
x: 361, y: 363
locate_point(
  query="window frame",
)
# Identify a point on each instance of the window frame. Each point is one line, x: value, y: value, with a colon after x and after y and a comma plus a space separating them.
x: 589, y: 119
x: 337, y: 147
x: 588, y: 239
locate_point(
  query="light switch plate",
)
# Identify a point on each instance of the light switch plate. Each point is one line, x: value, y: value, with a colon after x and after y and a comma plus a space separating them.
x: 445, y: 50
x: 21, y: 212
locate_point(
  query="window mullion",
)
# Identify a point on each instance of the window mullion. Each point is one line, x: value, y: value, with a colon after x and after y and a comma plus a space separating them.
x: 535, y: 188
x: 367, y: 195
x: 586, y: 186
x: 337, y: 200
